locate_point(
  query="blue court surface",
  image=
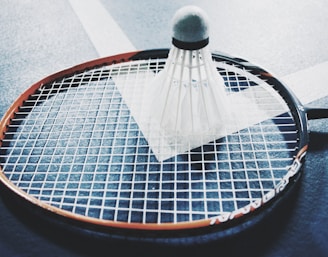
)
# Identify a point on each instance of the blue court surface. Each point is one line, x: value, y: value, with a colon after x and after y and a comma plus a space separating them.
x: 288, y: 38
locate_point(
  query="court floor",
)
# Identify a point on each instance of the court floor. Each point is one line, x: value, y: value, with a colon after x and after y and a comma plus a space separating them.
x: 287, y: 38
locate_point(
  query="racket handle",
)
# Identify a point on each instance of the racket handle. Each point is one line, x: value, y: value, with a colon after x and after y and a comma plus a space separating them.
x: 316, y: 113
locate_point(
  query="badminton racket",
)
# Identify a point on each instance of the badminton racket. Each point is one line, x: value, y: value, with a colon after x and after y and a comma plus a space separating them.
x: 72, y: 149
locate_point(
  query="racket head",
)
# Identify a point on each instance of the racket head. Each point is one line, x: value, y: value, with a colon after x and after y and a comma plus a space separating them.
x: 126, y: 191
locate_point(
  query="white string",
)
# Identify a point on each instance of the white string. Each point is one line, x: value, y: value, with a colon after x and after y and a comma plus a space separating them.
x: 124, y: 180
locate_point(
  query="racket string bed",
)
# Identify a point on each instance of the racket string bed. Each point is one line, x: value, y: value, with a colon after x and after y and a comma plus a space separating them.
x: 75, y: 145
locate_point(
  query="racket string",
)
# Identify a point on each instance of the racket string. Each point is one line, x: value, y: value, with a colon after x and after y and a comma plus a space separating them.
x: 76, y: 146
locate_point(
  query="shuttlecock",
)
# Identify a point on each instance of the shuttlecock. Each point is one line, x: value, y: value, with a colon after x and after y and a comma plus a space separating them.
x: 188, y: 98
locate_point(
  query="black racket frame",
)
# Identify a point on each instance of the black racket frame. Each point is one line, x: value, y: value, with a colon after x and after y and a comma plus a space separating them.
x: 300, y: 114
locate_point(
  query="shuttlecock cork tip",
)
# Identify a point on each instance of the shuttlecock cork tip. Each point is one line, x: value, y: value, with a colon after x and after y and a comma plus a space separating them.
x: 190, y: 28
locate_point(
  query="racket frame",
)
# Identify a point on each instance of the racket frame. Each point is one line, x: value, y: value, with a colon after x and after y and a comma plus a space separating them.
x: 296, y: 108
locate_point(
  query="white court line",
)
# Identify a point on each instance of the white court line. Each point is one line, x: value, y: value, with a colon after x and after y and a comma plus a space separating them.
x: 105, y: 34
x: 109, y: 39
x: 309, y: 84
